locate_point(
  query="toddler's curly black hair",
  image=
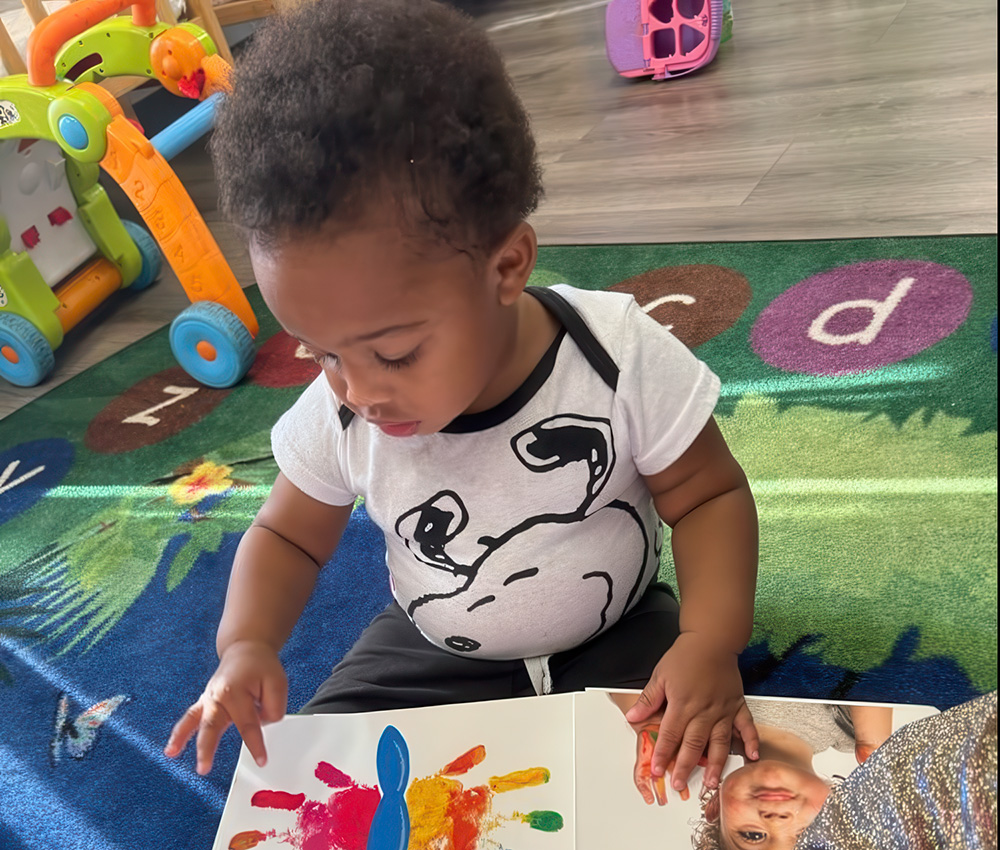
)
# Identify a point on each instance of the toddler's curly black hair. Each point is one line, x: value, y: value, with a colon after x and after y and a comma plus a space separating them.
x: 342, y: 102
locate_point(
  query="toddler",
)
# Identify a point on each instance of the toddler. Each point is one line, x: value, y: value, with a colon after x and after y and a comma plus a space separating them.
x: 770, y: 802
x: 518, y: 446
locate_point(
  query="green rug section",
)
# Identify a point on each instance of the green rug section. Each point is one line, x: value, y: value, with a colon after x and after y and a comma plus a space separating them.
x: 876, y: 490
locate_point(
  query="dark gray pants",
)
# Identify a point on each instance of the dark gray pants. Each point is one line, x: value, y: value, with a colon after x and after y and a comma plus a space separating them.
x: 392, y: 665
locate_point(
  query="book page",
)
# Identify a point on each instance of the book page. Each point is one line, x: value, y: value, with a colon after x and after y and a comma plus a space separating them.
x: 806, y: 746
x: 488, y: 774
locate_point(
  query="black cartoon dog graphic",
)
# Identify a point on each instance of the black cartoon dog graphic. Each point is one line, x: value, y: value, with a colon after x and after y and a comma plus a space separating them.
x: 559, y: 582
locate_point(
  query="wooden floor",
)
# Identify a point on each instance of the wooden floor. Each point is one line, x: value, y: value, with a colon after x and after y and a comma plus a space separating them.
x: 819, y: 119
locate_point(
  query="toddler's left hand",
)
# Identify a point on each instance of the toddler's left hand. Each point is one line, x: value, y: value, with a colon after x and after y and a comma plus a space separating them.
x: 697, y: 684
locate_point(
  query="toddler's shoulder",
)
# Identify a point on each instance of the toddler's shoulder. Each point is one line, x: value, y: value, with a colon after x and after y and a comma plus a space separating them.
x: 608, y: 315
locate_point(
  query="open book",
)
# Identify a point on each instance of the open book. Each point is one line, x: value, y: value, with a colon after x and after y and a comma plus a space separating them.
x: 554, y: 773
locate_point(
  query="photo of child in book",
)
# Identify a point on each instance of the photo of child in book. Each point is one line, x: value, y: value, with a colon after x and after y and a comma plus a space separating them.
x: 520, y: 447
x: 932, y: 783
x: 768, y: 803
x: 781, y: 792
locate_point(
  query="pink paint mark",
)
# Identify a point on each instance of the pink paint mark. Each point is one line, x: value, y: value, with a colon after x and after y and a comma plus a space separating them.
x: 341, y: 823
x: 277, y: 800
x: 329, y: 775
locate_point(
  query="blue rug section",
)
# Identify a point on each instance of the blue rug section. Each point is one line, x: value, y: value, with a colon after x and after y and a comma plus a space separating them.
x: 901, y: 678
x: 123, y: 793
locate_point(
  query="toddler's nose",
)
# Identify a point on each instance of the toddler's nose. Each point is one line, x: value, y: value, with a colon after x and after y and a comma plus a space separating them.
x: 772, y: 814
x: 362, y: 393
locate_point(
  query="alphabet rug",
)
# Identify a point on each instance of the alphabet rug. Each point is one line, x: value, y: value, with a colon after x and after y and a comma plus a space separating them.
x: 859, y: 392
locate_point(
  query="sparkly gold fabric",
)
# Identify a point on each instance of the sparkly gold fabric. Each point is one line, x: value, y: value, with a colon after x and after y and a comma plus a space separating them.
x: 931, y: 786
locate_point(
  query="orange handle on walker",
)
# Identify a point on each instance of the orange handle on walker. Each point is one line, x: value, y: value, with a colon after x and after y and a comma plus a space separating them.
x: 54, y: 31
x: 173, y: 219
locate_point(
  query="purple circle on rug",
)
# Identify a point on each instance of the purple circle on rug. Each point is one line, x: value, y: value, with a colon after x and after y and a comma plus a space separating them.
x: 860, y: 317
x: 29, y: 470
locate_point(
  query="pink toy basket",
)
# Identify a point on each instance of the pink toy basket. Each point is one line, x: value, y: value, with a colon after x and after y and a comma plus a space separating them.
x: 662, y: 38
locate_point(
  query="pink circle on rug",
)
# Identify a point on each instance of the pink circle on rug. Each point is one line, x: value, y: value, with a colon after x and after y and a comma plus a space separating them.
x: 860, y: 317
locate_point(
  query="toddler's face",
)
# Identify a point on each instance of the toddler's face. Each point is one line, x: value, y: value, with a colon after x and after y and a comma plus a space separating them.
x: 409, y: 333
x: 766, y: 804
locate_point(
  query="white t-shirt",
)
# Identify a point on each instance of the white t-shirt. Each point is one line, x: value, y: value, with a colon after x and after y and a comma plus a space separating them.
x: 526, y: 529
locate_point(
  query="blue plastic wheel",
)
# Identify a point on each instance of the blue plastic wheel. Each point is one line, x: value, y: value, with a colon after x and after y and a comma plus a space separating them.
x: 212, y: 344
x: 26, y: 358
x: 152, y: 259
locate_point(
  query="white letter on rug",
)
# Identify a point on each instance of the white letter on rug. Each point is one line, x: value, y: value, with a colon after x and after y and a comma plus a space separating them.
x: 881, y: 310
x: 144, y: 418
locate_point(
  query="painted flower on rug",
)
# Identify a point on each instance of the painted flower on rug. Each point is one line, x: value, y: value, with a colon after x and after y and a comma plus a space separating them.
x: 206, y: 479
x: 80, y: 590
x: 443, y: 813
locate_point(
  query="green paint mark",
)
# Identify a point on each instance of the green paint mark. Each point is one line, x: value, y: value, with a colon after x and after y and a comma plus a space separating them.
x: 544, y: 820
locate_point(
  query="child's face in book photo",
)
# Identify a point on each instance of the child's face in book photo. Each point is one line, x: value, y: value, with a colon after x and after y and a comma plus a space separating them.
x: 766, y: 804
x: 410, y: 332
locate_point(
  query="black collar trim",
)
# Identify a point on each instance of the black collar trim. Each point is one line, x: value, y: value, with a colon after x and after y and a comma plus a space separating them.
x: 572, y: 323
x: 468, y: 423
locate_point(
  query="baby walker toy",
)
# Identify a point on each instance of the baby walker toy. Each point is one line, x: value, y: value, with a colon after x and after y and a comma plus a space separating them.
x: 63, y: 248
x: 663, y: 38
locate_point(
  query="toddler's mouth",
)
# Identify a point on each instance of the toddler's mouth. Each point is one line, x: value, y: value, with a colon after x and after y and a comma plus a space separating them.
x: 774, y: 794
x: 398, y: 429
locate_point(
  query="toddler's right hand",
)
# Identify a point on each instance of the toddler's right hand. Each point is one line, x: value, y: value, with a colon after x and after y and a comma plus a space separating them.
x: 249, y: 688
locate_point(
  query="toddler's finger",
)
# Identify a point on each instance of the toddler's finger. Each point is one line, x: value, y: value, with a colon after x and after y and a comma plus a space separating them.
x: 718, y: 751
x: 747, y: 729
x: 690, y: 750
x: 247, y: 722
x: 673, y: 729
x: 668, y: 740
x: 214, y: 721
x: 273, y: 701
x: 647, y: 703
x: 182, y: 731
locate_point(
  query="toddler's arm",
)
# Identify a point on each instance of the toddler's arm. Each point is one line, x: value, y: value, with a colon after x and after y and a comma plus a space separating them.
x: 705, y: 498
x: 274, y: 571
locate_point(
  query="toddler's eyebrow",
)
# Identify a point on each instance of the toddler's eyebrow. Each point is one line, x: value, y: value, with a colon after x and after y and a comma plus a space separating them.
x: 372, y: 335
x: 388, y: 330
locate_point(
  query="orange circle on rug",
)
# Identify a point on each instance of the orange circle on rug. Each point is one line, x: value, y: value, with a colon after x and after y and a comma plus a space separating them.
x: 150, y: 411
x: 695, y: 302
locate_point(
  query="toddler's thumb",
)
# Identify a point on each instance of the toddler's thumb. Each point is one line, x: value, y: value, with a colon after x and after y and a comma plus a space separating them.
x: 645, y: 706
x: 274, y: 701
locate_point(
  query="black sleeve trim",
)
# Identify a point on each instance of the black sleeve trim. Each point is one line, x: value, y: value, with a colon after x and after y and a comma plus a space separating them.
x: 584, y: 338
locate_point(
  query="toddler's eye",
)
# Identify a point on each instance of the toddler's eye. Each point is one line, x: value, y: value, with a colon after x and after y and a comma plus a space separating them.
x: 398, y: 362
x: 327, y: 361
x: 752, y: 837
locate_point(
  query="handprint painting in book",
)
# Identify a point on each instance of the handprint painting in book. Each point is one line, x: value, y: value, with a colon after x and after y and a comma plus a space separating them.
x: 494, y: 775
x: 559, y: 772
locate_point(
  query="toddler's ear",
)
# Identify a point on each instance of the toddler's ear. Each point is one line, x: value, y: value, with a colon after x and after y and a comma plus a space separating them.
x: 514, y: 261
